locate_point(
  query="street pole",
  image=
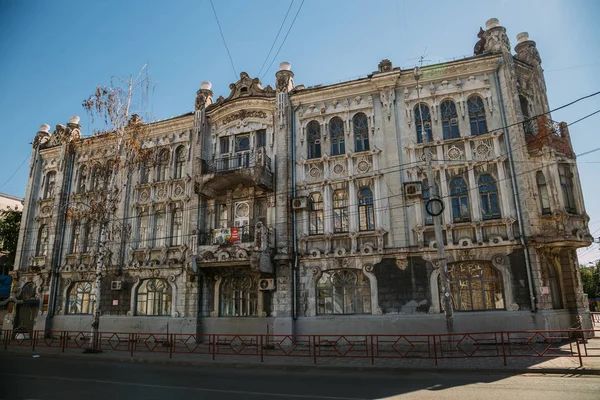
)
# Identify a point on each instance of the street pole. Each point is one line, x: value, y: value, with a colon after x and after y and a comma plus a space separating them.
x: 436, y: 213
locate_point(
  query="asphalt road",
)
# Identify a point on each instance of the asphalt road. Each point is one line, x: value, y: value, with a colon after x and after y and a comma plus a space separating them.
x: 24, y: 377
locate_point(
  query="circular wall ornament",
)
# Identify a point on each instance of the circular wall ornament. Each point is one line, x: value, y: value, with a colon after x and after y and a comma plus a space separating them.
x: 161, y: 193
x: 178, y: 190
x: 144, y: 195
x: 454, y: 153
x: 314, y: 172
x: 338, y: 169
x: 363, y: 166
x: 482, y: 150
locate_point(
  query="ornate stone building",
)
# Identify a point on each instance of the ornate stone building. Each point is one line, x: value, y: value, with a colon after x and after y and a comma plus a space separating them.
x: 303, y: 209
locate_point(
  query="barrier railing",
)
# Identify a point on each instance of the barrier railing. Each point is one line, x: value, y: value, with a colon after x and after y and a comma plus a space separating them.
x: 595, y: 316
x: 505, y: 345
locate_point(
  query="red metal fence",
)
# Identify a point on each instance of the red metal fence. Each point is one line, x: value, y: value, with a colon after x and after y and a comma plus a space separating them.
x: 505, y: 345
x: 595, y: 318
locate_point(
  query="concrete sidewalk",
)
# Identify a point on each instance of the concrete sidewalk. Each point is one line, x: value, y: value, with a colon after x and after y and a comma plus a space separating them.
x: 554, y: 365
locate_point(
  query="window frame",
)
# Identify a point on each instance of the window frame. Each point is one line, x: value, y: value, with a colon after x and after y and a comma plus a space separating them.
x: 42, y: 241
x: 50, y: 186
x: 337, y: 136
x: 162, y: 164
x: 567, y: 186
x: 341, y: 220
x: 179, y: 162
x: 449, y: 120
x: 177, y: 226
x: 459, y: 196
x: 159, y: 228
x: 366, y: 209
x: 84, y: 297
x: 360, y: 127
x: 316, y: 223
x: 346, y: 291
x: 425, y: 121
x: 82, y: 179
x: 477, y: 116
x: 487, y: 194
x: 465, y: 279
x: 543, y: 193
x: 314, y: 144
x: 159, y: 296
x: 238, y: 297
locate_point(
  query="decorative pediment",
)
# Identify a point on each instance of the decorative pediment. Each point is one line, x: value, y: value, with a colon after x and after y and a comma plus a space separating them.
x: 247, y: 87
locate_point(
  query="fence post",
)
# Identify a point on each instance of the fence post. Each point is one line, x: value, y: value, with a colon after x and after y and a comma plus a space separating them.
x: 261, y: 347
x: 435, y: 350
x: 373, y: 350
x: 33, y: 337
x: 578, y: 348
x: 131, y: 339
x: 503, y: 349
x: 314, y: 349
x: 170, y: 343
x: 214, y: 345
x: 64, y: 335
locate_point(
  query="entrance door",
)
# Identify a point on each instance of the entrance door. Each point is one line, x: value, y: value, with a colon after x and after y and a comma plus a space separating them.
x: 26, y: 314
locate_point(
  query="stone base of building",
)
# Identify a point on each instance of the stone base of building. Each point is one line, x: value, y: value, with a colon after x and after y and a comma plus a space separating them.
x: 489, y: 321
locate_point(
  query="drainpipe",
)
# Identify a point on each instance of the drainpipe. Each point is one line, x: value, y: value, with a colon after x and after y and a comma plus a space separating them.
x: 513, y: 180
x: 295, y: 241
x: 57, y: 261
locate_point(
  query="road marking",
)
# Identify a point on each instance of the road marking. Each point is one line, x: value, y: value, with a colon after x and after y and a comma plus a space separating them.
x: 296, y: 396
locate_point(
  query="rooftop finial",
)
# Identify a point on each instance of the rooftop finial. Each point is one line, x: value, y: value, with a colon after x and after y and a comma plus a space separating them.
x: 492, y: 23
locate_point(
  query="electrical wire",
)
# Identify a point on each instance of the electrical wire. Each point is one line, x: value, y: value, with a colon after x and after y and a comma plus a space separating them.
x: 223, y: 37
x: 17, y: 170
x: 276, y: 37
x: 284, y: 39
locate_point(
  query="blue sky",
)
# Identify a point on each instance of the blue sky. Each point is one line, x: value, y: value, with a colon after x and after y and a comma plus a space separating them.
x: 54, y: 53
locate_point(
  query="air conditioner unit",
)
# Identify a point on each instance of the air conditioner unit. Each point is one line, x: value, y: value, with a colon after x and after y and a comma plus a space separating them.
x: 413, y: 189
x: 266, y: 284
x: 299, y: 203
x: 115, y: 285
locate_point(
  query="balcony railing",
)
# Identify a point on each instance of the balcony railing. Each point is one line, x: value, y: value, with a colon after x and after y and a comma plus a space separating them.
x: 542, y: 131
x: 248, y: 159
x: 224, y: 236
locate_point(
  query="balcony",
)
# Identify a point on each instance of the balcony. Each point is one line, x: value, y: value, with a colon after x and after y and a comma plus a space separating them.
x: 543, y: 132
x: 244, y: 246
x: 250, y: 168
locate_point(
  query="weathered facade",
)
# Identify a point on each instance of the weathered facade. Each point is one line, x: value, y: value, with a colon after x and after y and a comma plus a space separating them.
x: 302, y: 209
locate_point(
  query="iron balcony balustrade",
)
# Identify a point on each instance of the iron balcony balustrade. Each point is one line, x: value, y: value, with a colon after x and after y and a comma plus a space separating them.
x: 248, y: 168
x: 226, y: 236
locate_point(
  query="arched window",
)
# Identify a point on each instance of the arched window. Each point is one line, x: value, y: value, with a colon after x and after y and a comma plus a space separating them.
x: 543, y: 192
x: 423, y: 122
x: 475, y: 286
x: 340, y: 211
x: 97, y: 178
x: 90, y: 236
x: 75, y: 237
x: 162, y: 164
x: 449, y: 119
x: 366, y: 212
x: 460, y: 199
x: 82, y: 180
x: 143, y: 231
x: 239, y: 297
x: 315, y: 214
x: 524, y: 106
x: 488, y: 192
x: 529, y: 125
x: 177, y: 227
x: 314, y: 139
x: 144, y: 172
x: 50, y: 184
x: 343, y: 292
x: 42, y: 242
x: 360, y: 124
x: 336, y: 132
x: 476, y: 115
x: 159, y: 228
x: 81, y: 298
x: 109, y: 169
x: 566, y: 184
x: 179, y: 162
x: 153, y: 297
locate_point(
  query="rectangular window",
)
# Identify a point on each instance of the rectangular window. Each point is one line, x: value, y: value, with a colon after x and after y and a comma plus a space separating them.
x: 143, y: 234
x: 176, y: 227
x: 261, y: 138
x: 224, y: 145
x: 566, y: 184
x: 159, y: 228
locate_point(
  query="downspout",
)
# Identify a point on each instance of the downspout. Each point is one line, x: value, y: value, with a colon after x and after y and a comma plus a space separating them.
x: 294, y: 233
x: 513, y: 180
x: 57, y: 261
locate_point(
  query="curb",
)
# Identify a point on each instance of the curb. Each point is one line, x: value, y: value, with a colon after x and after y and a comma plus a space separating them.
x: 312, y: 367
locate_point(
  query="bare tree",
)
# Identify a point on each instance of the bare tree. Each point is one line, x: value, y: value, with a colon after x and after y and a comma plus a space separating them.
x: 122, y: 135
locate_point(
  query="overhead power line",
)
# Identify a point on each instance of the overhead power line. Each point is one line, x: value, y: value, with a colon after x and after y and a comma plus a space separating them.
x: 223, y: 37
x: 14, y: 173
x: 286, y: 36
x: 276, y: 37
